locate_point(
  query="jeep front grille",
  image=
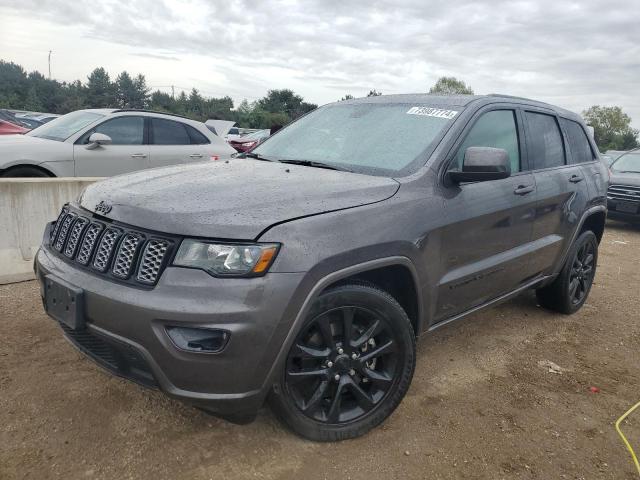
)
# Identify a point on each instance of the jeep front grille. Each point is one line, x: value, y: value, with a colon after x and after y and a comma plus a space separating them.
x: 114, y: 251
x: 624, y: 192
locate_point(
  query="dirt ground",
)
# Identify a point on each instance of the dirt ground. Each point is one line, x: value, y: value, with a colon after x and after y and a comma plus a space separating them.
x: 480, y: 406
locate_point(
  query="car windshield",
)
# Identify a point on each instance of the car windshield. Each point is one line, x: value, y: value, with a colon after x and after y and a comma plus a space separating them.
x: 61, y: 128
x: 627, y: 163
x: 387, y: 139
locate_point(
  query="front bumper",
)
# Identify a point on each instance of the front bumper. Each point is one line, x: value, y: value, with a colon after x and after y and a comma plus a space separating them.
x: 614, y: 214
x: 258, y: 312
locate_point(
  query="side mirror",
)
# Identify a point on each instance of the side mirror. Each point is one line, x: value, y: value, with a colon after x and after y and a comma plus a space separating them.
x: 96, y: 139
x: 481, y: 164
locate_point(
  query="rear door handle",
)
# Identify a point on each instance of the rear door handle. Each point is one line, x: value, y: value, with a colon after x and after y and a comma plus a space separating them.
x: 139, y: 155
x: 575, y: 179
x: 524, y: 189
x: 196, y: 155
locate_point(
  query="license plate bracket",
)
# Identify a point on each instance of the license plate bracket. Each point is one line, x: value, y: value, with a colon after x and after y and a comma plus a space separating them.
x: 64, y: 302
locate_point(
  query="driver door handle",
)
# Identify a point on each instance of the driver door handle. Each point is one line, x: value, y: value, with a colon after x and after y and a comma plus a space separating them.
x: 524, y: 189
x: 196, y: 155
x: 575, y: 179
x: 138, y: 155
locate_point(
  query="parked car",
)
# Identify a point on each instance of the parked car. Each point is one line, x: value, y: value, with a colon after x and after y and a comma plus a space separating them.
x: 305, y: 272
x: 39, y: 117
x: 246, y: 143
x: 8, y: 128
x: 623, y: 196
x: 106, y: 142
x: 26, y: 123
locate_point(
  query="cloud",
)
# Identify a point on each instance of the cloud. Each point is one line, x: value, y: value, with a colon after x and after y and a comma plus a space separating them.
x: 572, y: 53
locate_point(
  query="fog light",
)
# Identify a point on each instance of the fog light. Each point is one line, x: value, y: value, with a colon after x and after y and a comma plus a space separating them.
x: 198, y: 340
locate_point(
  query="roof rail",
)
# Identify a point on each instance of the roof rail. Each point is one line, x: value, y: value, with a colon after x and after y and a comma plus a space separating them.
x: 142, y: 110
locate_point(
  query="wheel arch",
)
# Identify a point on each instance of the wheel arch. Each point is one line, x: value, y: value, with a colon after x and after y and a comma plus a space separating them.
x: 363, y: 271
x: 33, y: 166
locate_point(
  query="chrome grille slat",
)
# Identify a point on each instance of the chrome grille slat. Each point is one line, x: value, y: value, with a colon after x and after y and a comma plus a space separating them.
x: 125, y: 257
x: 107, y: 243
x: 88, y: 242
x: 152, y: 257
x: 624, y: 192
x: 56, y: 228
x: 74, y: 236
x: 64, y: 230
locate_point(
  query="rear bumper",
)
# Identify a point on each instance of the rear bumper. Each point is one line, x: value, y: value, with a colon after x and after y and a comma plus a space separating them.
x: 126, y: 334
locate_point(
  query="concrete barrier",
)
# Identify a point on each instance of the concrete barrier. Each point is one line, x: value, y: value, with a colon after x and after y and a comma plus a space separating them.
x: 26, y: 205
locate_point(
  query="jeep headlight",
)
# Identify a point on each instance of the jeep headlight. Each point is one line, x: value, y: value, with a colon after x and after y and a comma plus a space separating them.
x: 226, y: 258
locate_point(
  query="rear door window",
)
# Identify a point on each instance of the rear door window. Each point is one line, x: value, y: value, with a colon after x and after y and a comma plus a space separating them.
x: 545, y: 144
x: 496, y: 129
x: 196, y: 137
x: 578, y: 143
x: 168, y: 132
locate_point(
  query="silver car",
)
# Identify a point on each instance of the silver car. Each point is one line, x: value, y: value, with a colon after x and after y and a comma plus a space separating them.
x: 106, y: 142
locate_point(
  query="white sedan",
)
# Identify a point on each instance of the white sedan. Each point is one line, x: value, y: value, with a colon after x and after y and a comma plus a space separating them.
x: 106, y: 142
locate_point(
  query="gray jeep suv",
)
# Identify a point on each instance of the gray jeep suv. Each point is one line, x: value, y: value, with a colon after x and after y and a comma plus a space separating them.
x: 304, y: 272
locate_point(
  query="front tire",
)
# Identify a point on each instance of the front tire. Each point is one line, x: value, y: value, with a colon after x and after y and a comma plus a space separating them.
x: 349, y: 367
x: 569, y: 291
x: 24, y: 172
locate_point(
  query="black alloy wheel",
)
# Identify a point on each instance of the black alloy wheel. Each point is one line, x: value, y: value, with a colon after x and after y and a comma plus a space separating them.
x: 349, y: 366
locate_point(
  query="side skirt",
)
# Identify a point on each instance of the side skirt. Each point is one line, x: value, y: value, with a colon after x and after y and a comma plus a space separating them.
x: 490, y: 303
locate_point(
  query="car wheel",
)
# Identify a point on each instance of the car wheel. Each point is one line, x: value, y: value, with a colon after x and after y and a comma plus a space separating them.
x: 349, y: 366
x: 18, y: 172
x: 570, y: 289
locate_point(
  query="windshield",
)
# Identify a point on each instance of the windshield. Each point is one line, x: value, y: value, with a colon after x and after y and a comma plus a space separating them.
x: 627, y: 163
x: 61, y: 128
x: 374, y: 138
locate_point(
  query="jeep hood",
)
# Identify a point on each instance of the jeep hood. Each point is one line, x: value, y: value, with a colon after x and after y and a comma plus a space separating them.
x: 621, y: 178
x: 237, y: 199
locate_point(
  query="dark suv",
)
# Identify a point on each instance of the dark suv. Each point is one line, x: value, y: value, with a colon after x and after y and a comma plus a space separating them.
x: 304, y: 272
x: 623, y: 197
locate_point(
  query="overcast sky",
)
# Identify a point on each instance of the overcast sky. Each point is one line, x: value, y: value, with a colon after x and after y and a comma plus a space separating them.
x: 574, y: 54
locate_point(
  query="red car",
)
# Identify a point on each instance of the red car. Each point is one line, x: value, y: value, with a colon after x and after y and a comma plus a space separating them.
x: 8, y: 128
x: 246, y: 143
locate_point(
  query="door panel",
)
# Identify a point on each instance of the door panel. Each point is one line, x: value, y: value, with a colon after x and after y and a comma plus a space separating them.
x: 127, y: 153
x: 171, y: 143
x: 562, y: 190
x: 486, y: 244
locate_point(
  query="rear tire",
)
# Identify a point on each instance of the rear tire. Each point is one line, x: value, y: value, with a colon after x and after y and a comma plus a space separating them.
x: 349, y: 366
x: 24, y: 172
x: 569, y: 291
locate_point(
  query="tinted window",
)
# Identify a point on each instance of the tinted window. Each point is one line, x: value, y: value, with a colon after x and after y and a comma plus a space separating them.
x: 123, y: 130
x: 167, y: 132
x: 196, y: 137
x: 578, y: 142
x: 496, y: 129
x: 546, y: 148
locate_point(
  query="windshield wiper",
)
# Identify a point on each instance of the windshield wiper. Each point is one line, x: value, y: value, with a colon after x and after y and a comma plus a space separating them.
x: 257, y: 156
x: 311, y: 163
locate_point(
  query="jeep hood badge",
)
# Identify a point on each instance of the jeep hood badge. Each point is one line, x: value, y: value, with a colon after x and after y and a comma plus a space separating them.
x: 103, y: 207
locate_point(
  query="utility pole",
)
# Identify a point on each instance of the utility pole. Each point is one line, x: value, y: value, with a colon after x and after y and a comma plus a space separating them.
x: 173, y: 92
x: 50, y: 64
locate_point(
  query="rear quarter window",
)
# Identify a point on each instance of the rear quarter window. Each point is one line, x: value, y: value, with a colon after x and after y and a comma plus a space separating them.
x: 579, y: 146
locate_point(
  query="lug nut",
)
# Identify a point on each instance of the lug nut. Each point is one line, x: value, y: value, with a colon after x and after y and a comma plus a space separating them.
x: 340, y: 351
x: 372, y: 341
x: 329, y: 364
x: 337, y: 377
x: 365, y: 380
x: 352, y: 372
x: 354, y: 356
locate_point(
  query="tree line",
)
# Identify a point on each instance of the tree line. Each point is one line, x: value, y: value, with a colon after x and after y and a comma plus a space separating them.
x: 32, y: 91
